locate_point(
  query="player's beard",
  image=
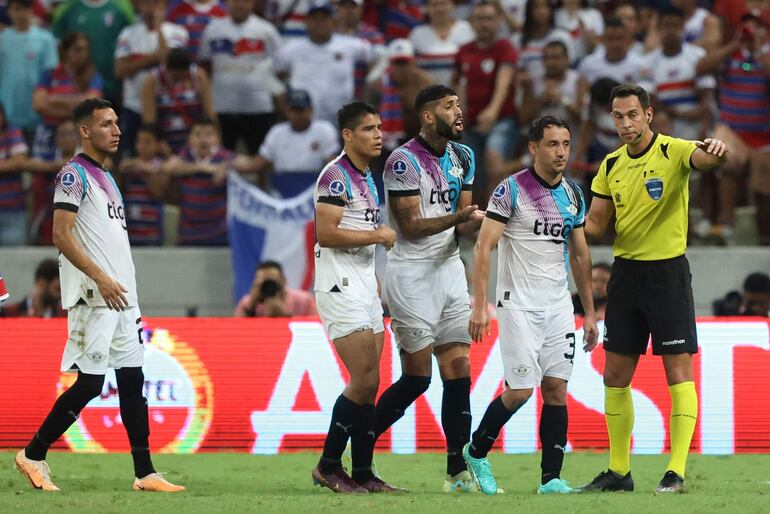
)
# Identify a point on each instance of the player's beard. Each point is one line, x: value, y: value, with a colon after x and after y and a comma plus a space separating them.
x: 446, y: 130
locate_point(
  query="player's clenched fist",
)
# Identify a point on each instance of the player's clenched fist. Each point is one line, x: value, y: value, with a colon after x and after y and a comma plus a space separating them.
x: 387, y: 236
x: 465, y: 213
x: 479, y: 323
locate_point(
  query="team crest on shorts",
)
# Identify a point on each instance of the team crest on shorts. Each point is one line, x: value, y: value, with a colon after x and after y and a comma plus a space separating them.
x: 654, y: 187
x: 522, y: 370
x: 96, y: 357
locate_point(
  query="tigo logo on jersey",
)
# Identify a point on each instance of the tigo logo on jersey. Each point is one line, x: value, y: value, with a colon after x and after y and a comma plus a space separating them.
x: 179, y: 394
x: 654, y: 188
x: 337, y: 187
x: 399, y: 167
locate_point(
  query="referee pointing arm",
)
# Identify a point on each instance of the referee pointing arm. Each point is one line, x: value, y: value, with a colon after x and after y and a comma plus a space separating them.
x: 645, y: 184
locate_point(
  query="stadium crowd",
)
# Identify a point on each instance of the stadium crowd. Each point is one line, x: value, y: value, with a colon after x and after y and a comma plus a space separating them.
x: 206, y: 87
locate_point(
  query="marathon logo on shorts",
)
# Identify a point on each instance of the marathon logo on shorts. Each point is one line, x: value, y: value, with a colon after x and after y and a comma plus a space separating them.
x: 654, y: 188
x: 673, y: 342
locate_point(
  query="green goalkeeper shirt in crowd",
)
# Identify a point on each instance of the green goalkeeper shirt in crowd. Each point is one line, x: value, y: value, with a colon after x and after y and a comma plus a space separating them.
x: 101, y: 22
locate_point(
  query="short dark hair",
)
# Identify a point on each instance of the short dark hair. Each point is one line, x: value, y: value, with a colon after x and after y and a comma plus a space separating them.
x: 614, y: 22
x: 87, y: 107
x: 537, y: 127
x: 602, y: 266
x: 349, y: 116
x: 670, y: 10
x: 431, y: 94
x: 27, y: 4
x: 270, y: 264
x: 203, y: 121
x: 150, y: 128
x: 557, y: 44
x: 178, y: 59
x: 757, y: 283
x: 47, y: 270
x: 626, y: 90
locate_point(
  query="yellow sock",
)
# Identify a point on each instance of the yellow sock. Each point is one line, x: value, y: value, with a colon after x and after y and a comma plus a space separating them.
x: 684, y: 414
x: 619, y: 414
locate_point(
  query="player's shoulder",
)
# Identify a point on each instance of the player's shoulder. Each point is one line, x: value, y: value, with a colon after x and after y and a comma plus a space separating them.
x: 612, y: 159
x: 333, y: 177
x: 573, y: 187
x: 464, y: 152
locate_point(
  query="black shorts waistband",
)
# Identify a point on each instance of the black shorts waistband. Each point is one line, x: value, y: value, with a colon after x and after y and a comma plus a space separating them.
x: 633, y: 262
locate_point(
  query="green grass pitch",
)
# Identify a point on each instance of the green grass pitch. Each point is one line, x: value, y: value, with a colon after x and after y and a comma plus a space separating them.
x: 236, y: 483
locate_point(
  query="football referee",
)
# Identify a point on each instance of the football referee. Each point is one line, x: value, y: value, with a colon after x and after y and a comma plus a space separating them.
x: 645, y: 184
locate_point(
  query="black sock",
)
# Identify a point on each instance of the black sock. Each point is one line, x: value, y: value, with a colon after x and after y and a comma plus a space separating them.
x: 136, y: 421
x: 64, y: 413
x: 456, y: 421
x: 362, y: 444
x: 553, y: 437
x: 396, y: 399
x: 340, y: 429
x: 486, y: 434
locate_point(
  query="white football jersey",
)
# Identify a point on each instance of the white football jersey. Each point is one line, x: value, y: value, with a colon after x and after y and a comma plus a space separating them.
x: 677, y: 85
x: 533, y: 256
x: 436, y: 55
x: 84, y: 187
x: 241, y: 56
x: 414, y: 169
x: 137, y: 41
x: 325, y: 71
x: 634, y: 68
x: 349, y: 270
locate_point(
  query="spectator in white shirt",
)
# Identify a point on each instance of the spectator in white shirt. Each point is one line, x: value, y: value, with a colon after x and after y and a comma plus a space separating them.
x: 585, y: 24
x: 240, y: 48
x: 436, y: 43
x: 323, y: 63
x: 539, y: 30
x: 141, y: 47
x: 296, y: 149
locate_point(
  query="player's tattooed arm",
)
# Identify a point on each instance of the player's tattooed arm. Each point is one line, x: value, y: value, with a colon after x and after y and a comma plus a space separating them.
x: 330, y: 235
x: 489, y: 236
x: 111, y: 290
x: 406, y: 211
x: 580, y: 264
x: 598, y: 217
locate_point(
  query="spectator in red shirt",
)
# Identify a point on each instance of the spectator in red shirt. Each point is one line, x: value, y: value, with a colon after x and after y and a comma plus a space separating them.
x: 484, y: 72
x: 271, y: 297
x: 45, y: 299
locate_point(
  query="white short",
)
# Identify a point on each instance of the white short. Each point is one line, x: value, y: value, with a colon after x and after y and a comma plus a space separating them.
x: 428, y: 303
x: 100, y: 338
x: 536, y: 344
x: 343, y: 313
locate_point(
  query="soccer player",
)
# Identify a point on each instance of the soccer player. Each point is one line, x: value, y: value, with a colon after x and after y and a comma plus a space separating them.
x: 347, y: 229
x: 428, y: 183
x: 539, y: 215
x: 644, y: 184
x: 98, y: 286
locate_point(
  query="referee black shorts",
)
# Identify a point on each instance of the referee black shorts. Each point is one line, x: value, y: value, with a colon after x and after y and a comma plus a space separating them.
x: 650, y: 298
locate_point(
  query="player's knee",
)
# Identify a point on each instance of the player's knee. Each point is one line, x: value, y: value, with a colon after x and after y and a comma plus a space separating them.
x: 366, y: 384
x: 515, y: 398
x: 414, y: 385
x: 89, y: 385
x: 554, y: 391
